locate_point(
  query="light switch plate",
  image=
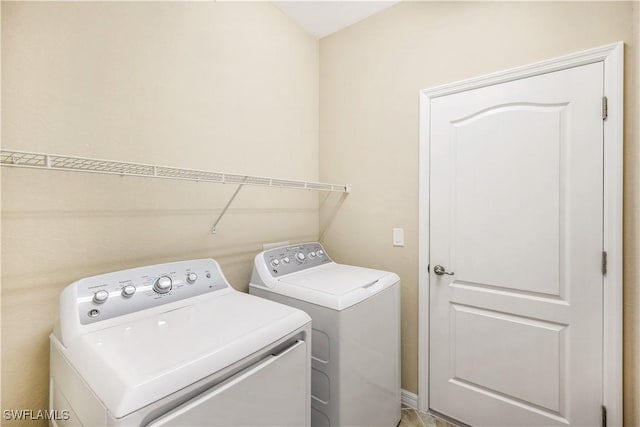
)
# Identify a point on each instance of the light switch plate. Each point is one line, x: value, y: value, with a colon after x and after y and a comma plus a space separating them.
x: 398, y: 237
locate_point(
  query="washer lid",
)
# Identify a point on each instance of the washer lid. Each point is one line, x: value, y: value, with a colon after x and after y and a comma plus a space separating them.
x: 335, y: 286
x: 134, y: 364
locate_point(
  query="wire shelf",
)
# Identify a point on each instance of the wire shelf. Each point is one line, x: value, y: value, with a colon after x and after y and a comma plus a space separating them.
x: 13, y: 158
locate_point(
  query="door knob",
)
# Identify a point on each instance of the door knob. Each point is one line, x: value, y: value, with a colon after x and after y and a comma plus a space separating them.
x: 440, y: 270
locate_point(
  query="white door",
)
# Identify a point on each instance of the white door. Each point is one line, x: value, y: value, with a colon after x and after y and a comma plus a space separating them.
x: 516, y: 201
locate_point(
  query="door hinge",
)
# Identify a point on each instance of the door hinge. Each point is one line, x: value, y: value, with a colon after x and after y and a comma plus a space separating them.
x: 604, y: 416
x: 605, y: 108
x: 603, y: 267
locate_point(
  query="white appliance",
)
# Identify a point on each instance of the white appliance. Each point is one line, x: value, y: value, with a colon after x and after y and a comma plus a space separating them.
x: 175, y: 345
x: 355, y: 376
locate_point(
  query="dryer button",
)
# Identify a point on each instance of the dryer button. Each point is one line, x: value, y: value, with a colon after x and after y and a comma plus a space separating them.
x: 128, y: 291
x: 100, y: 297
x: 163, y: 284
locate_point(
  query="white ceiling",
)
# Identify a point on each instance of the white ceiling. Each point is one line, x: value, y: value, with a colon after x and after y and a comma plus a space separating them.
x: 322, y: 18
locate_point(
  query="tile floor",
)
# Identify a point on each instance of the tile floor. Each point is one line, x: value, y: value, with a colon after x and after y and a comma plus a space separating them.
x: 414, y: 418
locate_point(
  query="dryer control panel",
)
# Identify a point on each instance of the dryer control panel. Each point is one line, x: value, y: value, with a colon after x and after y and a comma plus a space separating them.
x: 123, y: 292
x: 290, y: 259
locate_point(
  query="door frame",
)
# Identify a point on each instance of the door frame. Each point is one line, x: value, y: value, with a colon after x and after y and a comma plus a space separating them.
x: 613, y: 58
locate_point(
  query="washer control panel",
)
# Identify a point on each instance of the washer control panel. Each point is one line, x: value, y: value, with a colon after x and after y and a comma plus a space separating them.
x: 123, y: 292
x: 290, y: 259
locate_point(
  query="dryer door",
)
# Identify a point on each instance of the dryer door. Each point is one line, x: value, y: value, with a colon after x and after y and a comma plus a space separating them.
x: 273, y: 392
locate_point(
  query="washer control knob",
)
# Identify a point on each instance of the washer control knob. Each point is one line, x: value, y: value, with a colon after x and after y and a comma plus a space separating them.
x: 312, y: 254
x: 286, y: 260
x: 275, y: 262
x: 192, y: 277
x: 163, y: 284
x: 128, y: 291
x: 300, y: 256
x: 320, y: 252
x: 100, y: 297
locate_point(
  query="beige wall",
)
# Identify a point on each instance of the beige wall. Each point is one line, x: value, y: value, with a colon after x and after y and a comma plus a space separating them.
x: 234, y: 87
x: 216, y: 86
x: 370, y: 75
x: 632, y: 232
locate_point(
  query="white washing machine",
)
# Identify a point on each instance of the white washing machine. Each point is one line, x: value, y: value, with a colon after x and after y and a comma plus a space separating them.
x: 355, y: 375
x: 174, y: 345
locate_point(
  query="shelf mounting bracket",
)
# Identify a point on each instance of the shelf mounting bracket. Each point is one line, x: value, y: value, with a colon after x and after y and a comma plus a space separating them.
x: 214, y: 229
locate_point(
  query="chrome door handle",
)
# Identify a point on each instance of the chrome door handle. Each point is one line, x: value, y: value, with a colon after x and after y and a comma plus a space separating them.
x: 440, y: 270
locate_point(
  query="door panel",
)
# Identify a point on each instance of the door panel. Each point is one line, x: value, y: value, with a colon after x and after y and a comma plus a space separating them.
x: 516, y: 213
x: 483, y: 213
x: 529, y: 376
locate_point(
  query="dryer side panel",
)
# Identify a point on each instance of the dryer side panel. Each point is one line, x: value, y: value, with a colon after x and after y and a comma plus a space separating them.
x: 66, y: 386
x: 370, y: 361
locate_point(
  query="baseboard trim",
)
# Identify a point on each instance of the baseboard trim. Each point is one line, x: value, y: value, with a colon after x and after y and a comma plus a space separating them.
x: 409, y: 399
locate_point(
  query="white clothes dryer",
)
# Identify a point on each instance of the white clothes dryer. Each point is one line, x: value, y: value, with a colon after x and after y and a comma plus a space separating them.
x: 355, y: 376
x: 175, y: 345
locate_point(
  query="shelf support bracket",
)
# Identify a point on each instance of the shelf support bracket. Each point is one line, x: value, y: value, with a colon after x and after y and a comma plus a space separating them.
x: 214, y: 230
